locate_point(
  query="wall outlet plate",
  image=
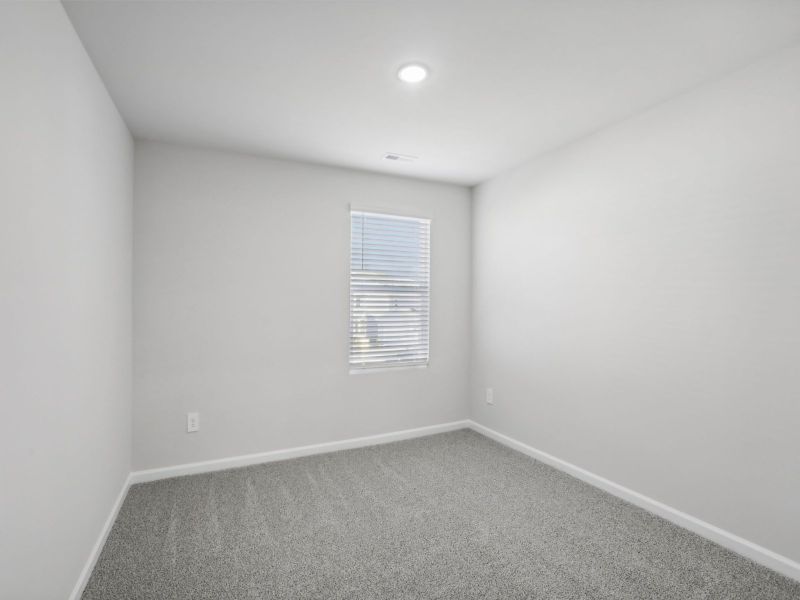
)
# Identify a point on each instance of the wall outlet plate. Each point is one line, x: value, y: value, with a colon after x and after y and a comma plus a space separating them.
x: 489, y: 396
x: 192, y: 422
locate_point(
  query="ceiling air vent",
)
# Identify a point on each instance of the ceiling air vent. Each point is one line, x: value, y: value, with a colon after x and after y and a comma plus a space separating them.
x: 399, y: 157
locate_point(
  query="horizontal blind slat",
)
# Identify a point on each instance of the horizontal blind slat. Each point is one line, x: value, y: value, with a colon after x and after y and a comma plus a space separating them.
x: 386, y: 350
x: 378, y: 362
x: 406, y: 228
x: 407, y: 338
x: 387, y: 328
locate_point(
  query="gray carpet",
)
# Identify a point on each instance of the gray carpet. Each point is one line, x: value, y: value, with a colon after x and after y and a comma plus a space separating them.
x: 453, y: 516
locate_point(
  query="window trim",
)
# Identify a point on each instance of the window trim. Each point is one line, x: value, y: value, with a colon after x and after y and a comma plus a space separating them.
x: 387, y: 211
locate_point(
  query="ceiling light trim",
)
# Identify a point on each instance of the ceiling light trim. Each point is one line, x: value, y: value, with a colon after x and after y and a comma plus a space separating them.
x: 414, y: 72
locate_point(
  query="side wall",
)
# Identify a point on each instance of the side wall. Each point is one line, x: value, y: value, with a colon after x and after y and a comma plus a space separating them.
x: 636, y: 303
x: 241, y: 306
x: 66, y: 180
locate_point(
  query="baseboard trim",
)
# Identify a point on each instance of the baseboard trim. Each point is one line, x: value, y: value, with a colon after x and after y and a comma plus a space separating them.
x: 768, y: 558
x: 275, y: 455
x: 83, y: 579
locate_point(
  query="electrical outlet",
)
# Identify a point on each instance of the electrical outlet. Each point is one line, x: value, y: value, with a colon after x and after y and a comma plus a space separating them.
x: 192, y: 422
x: 489, y: 396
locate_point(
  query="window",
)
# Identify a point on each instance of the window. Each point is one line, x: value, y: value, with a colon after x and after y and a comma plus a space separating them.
x: 389, y: 290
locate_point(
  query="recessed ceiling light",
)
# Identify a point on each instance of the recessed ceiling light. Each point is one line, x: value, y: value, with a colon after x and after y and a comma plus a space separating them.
x: 412, y: 73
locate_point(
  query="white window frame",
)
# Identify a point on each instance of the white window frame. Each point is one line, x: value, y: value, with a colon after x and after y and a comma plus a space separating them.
x: 356, y: 369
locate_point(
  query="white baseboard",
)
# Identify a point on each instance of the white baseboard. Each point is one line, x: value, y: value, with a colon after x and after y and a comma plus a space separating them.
x: 275, y: 455
x: 83, y: 579
x: 726, y: 539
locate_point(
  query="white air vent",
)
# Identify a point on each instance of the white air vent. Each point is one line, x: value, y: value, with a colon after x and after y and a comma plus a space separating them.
x: 399, y: 157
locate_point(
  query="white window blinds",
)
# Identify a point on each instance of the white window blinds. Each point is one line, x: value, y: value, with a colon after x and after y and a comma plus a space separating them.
x: 389, y: 290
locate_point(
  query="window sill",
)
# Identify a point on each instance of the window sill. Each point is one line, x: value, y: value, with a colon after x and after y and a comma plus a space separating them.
x: 366, y: 370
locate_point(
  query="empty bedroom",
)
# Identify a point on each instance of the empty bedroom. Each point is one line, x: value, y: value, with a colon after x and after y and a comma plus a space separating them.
x: 400, y: 299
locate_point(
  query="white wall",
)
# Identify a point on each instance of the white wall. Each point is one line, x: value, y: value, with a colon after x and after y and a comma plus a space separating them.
x: 65, y: 303
x: 241, y: 306
x: 636, y: 303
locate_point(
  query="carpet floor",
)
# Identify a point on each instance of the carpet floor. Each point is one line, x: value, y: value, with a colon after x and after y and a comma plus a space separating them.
x: 450, y: 516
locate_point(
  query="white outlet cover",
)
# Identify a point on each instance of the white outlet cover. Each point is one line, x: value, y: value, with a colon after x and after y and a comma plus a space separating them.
x: 489, y: 396
x: 192, y: 422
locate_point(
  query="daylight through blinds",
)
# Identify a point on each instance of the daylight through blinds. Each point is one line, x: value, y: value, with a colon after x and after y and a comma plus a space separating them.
x: 389, y: 290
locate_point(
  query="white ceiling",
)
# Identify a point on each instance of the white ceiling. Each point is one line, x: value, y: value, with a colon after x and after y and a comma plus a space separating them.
x: 315, y: 81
